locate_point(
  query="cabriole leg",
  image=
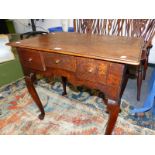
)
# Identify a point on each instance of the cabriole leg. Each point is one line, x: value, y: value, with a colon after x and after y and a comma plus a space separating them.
x: 113, y: 109
x: 29, y: 82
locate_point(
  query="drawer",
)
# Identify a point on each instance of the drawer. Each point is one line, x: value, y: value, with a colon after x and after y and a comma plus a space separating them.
x: 60, y: 61
x: 92, y: 70
x: 32, y: 59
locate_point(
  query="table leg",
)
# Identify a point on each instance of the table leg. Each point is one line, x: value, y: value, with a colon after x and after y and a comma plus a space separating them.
x: 113, y: 110
x: 33, y: 93
x: 64, y: 83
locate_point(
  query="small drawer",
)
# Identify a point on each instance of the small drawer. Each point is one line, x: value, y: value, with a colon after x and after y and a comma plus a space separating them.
x: 60, y: 61
x: 32, y: 59
x: 92, y: 70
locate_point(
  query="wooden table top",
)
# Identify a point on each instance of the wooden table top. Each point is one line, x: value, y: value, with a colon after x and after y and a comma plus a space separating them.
x: 125, y: 50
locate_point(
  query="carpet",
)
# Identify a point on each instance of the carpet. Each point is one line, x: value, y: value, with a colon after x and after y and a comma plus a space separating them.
x: 78, y: 113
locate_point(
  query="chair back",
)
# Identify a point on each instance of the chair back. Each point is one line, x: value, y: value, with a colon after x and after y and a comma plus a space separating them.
x: 144, y: 28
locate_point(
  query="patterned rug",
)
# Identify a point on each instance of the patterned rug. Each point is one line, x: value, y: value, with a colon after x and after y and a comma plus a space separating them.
x: 79, y: 113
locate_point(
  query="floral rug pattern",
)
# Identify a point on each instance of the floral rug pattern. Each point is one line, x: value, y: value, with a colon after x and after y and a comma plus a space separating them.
x: 78, y: 113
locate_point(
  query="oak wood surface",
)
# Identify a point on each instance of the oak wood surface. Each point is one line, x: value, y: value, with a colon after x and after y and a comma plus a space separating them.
x: 125, y: 50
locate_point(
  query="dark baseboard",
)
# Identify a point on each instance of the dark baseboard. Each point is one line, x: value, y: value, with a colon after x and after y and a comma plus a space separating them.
x: 151, y: 65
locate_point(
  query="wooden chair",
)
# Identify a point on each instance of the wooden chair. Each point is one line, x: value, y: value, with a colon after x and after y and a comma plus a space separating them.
x: 144, y: 28
x: 141, y: 28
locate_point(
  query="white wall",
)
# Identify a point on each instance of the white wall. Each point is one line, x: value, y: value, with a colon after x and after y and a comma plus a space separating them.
x: 152, y: 53
x: 21, y: 25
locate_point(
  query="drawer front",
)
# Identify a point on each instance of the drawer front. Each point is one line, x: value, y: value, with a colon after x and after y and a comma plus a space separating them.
x: 92, y: 70
x: 60, y: 61
x: 32, y: 59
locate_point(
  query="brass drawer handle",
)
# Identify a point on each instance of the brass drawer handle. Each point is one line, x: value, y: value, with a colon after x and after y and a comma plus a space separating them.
x: 57, y: 61
x: 90, y: 70
x: 30, y: 59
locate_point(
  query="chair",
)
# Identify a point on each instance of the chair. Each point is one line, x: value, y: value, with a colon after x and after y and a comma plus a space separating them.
x: 33, y: 32
x: 84, y: 25
x: 143, y: 28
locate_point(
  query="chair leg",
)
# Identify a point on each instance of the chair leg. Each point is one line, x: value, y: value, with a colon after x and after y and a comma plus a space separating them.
x: 139, y: 82
x: 145, y: 68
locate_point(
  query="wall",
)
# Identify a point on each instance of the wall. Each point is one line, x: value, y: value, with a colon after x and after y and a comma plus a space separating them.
x: 152, y: 53
x: 21, y: 25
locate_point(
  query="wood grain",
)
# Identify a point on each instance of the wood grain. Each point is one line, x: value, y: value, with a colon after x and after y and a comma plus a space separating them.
x: 125, y: 50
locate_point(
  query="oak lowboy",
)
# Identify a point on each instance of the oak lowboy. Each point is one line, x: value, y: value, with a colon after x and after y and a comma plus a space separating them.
x: 95, y: 61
